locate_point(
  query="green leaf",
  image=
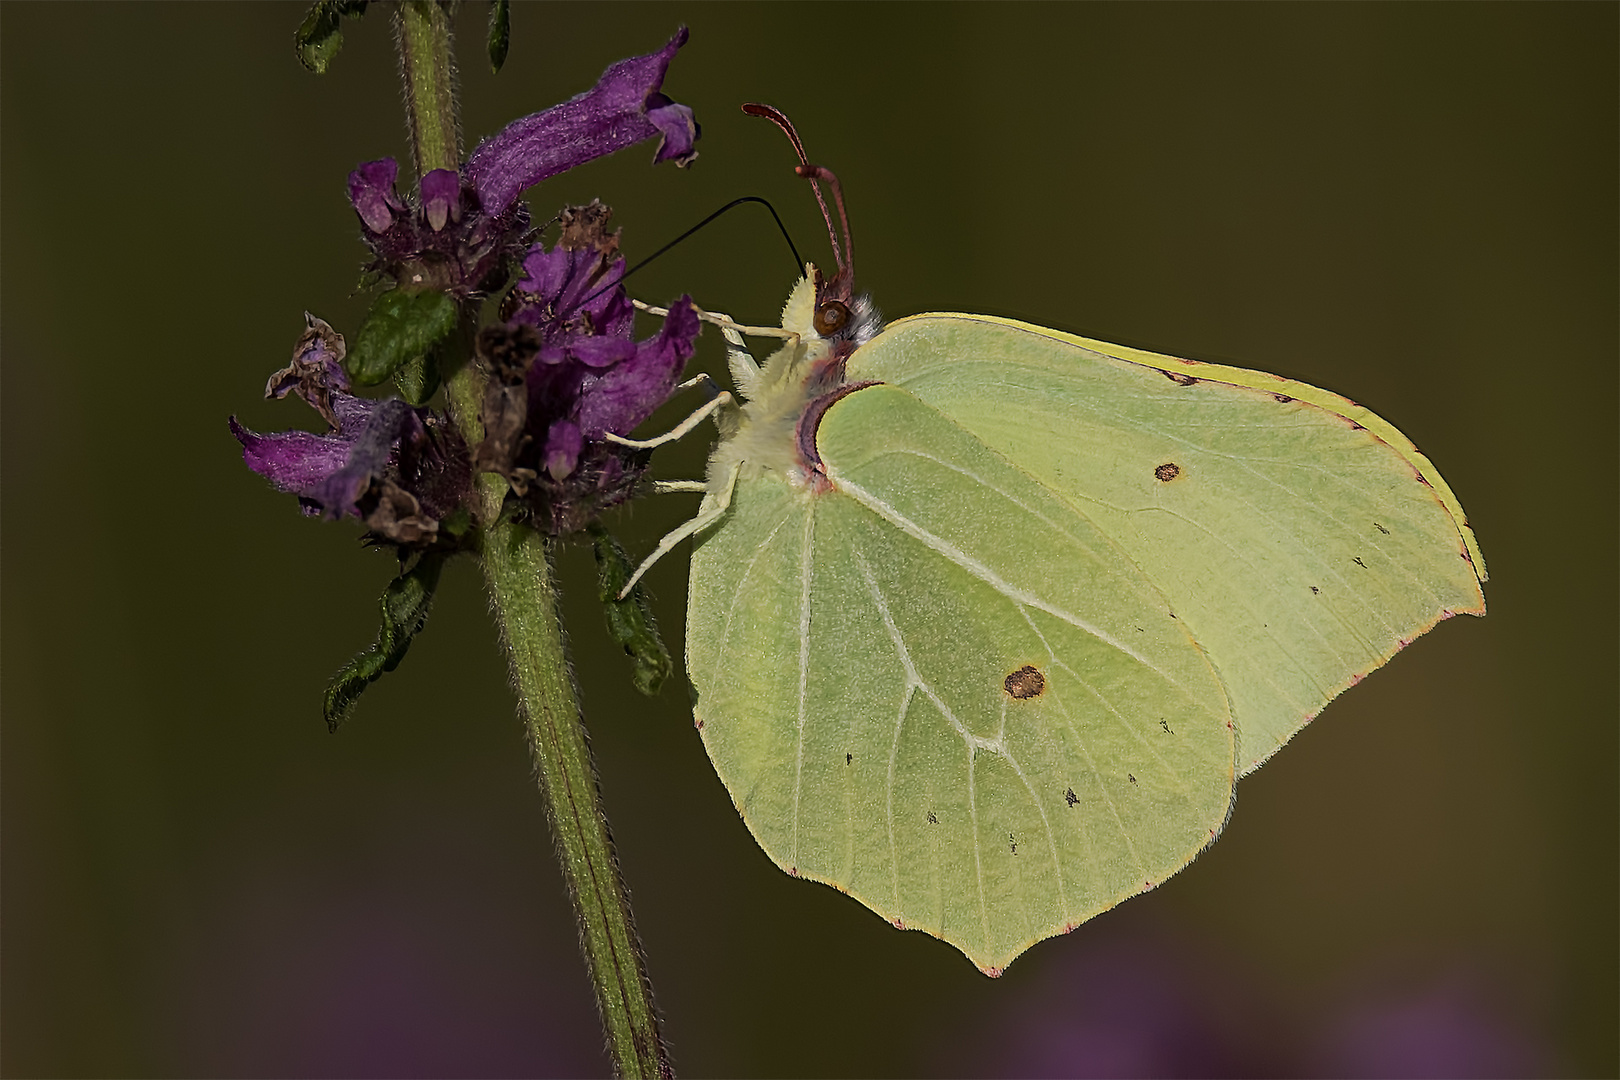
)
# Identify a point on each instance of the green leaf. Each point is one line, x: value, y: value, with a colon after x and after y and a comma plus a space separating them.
x: 400, y: 327
x: 500, y: 33
x: 404, y: 610
x: 630, y: 621
x: 418, y: 379
x: 513, y: 510
x: 320, y: 36
x: 456, y: 523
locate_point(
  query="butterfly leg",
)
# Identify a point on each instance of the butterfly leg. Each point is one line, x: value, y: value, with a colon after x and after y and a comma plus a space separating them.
x: 744, y: 368
x: 724, y: 322
x: 727, y: 406
x: 714, y: 404
x: 714, y: 505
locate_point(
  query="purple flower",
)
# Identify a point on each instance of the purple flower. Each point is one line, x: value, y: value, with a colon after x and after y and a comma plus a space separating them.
x: 371, y: 189
x: 567, y: 372
x: 439, y: 238
x: 623, y: 108
x: 382, y: 461
x: 441, y: 198
x: 459, y: 233
x: 571, y: 293
x: 619, y: 398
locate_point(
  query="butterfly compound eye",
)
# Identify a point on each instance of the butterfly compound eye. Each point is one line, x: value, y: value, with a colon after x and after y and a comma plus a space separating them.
x: 831, y: 317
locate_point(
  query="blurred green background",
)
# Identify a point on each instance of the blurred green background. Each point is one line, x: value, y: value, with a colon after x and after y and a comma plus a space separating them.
x: 1412, y: 205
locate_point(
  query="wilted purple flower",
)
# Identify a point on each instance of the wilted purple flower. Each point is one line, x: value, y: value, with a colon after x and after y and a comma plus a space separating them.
x: 624, y: 107
x: 567, y: 372
x: 383, y: 461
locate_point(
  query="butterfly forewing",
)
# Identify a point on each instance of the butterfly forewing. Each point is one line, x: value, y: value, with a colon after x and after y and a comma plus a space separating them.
x: 1303, y: 540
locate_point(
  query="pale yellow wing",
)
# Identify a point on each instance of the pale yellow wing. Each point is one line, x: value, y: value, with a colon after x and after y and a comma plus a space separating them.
x: 1302, y: 538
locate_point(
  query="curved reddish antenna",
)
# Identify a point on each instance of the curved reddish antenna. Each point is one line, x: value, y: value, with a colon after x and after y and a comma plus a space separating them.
x: 845, y: 256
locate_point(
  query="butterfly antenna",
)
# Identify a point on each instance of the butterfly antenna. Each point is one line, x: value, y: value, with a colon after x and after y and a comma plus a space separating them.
x: 846, y: 265
x: 813, y: 173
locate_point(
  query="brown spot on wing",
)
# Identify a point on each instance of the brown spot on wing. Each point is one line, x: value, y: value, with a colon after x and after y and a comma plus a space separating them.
x: 1025, y: 683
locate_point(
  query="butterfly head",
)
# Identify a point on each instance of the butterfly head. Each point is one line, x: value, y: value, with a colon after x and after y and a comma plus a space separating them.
x: 846, y: 319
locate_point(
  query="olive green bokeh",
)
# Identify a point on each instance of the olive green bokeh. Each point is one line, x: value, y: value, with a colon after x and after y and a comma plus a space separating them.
x: 1411, y: 205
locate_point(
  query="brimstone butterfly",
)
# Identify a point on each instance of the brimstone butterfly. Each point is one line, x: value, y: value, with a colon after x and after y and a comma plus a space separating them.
x: 986, y: 620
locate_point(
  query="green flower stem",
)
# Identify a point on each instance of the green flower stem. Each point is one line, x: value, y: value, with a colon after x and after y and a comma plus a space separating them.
x: 517, y: 567
x: 423, y: 32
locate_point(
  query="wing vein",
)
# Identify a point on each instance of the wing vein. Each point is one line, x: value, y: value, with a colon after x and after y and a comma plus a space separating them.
x: 979, y: 570
x: 1248, y: 464
x: 906, y: 697
x: 736, y: 598
x: 804, y: 670
x: 1126, y: 724
x: 973, y: 742
x: 1051, y: 837
x: 1300, y: 667
x: 1102, y: 787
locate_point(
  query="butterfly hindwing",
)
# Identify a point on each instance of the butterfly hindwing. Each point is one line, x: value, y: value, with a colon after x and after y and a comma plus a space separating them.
x: 939, y: 688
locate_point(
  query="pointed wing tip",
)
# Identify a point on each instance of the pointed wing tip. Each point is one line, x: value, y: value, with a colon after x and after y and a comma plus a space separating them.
x: 1477, y: 610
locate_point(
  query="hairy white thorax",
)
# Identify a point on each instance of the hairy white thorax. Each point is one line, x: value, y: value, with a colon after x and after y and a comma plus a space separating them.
x: 762, y: 434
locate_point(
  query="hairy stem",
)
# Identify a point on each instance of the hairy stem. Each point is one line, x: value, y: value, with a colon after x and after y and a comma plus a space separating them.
x: 517, y: 567
x: 422, y: 30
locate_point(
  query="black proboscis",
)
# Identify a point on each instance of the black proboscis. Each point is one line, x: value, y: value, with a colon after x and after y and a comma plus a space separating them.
x: 798, y: 263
